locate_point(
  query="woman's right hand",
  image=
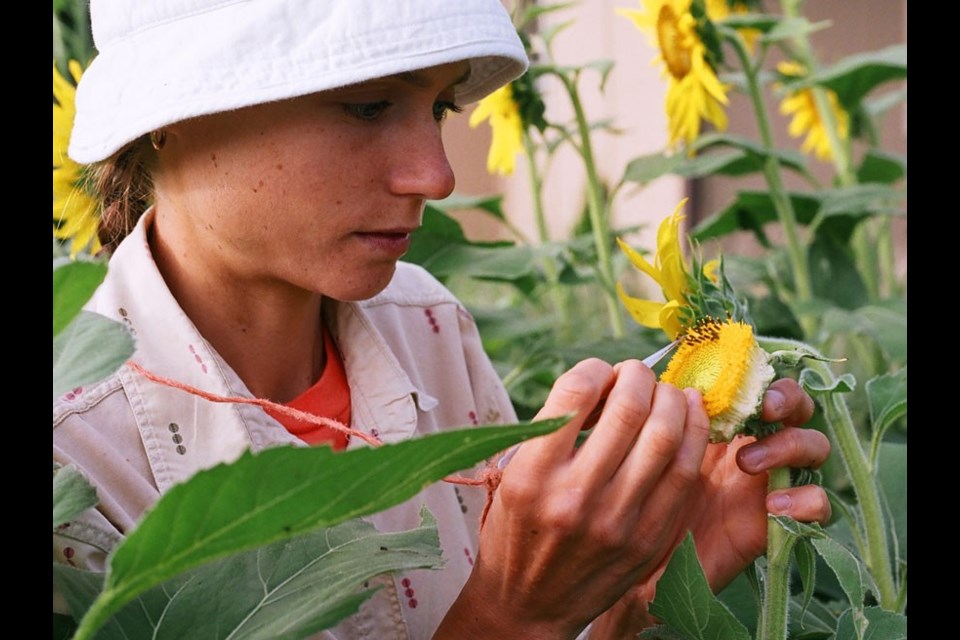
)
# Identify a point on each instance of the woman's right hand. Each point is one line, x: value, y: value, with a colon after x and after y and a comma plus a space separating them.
x: 570, y: 530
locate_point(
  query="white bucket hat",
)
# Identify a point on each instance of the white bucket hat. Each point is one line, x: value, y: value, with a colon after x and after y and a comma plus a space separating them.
x: 161, y: 62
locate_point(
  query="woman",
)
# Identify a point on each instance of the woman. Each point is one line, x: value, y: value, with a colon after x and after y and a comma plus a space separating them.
x: 287, y: 148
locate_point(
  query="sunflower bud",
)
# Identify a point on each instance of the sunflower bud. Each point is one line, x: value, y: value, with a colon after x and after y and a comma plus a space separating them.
x: 723, y: 361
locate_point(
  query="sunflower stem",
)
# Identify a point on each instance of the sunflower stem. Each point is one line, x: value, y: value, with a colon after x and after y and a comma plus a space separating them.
x: 840, y: 152
x: 776, y: 583
x: 796, y: 251
x: 559, y: 294
x: 598, y: 221
x: 888, y: 285
x: 842, y: 431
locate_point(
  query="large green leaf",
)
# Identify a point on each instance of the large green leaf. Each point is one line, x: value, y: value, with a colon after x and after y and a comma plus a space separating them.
x: 815, y: 621
x: 798, y: 529
x: 855, y: 76
x: 216, y: 513
x: 843, y: 208
x: 89, y: 349
x: 63, y: 626
x: 750, y: 211
x: 880, y: 625
x: 506, y: 263
x: 72, y: 494
x: 740, y: 156
x: 837, y: 210
x: 882, y: 167
x: 73, y: 284
x: 815, y: 385
x: 685, y: 602
x: 806, y: 562
x: 891, y: 469
x: 458, y: 202
x: 855, y: 579
x: 441, y: 247
x: 288, y: 589
x: 887, y: 325
x: 833, y: 270
x: 887, y: 399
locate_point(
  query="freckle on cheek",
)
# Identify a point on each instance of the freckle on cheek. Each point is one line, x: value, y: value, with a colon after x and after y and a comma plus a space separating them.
x: 279, y: 167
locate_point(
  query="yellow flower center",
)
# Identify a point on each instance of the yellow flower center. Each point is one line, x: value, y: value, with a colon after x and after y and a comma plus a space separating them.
x: 674, y: 35
x: 715, y: 358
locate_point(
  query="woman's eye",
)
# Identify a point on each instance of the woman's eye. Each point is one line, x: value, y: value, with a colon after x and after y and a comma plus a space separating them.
x: 367, y: 110
x: 442, y: 107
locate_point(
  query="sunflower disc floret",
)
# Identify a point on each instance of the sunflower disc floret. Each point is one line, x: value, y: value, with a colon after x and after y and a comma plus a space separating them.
x: 723, y: 361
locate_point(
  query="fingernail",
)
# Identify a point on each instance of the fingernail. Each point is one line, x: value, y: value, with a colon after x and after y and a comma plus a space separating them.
x: 780, y: 502
x: 753, y: 457
x: 776, y: 401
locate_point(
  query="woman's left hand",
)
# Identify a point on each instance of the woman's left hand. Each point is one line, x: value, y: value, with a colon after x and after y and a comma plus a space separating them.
x: 727, y: 509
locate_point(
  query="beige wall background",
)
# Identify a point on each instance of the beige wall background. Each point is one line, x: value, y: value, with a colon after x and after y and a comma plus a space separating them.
x: 633, y: 98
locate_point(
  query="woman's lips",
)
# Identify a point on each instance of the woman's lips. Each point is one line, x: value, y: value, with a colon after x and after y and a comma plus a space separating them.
x: 393, y: 242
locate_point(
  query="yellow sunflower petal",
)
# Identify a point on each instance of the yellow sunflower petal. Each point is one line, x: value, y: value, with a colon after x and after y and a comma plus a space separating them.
x: 644, y: 312
x: 506, y: 128
x: 639, y: 261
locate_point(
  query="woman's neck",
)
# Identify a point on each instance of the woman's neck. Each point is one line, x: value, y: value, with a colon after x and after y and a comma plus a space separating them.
x: 270, y: 333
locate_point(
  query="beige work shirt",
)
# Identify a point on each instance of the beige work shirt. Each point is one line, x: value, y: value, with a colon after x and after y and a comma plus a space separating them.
x: 415, y: 365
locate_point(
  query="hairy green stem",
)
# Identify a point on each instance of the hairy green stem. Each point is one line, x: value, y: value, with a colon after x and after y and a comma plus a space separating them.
x: 595, y: 207
x: 888, y: 285
x: 559, y: 294
x: 840, y: 155
x: 776, y: 584
x: 843, y: 432
x: 796, y: 250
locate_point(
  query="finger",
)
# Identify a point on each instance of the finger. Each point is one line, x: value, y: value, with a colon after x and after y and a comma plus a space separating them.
x: 683, y: 469
x: 626, y: 409
x: 789, y: 447
x: 657, y: 446
x: 787, y: 402
x: 655, y: 511
x: 577, y: 391
x: 808, y: 503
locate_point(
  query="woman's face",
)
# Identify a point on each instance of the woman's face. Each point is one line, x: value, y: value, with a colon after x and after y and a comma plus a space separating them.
x: 319, y: 193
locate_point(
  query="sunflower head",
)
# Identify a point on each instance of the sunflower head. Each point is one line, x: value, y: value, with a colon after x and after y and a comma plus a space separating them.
x: 76, y: 213
x: 690, y: 49
x: 806, y: 118
x: 723, y: 361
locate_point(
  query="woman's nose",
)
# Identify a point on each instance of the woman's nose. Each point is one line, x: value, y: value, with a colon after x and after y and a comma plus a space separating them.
x: 421, y: 167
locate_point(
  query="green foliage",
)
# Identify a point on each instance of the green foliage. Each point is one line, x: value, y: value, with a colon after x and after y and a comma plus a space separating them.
x: 72, y: 494
x: 875, y: 624
x: 286, y: 589
x: 686, y: 604
x: 215, y: 514
x: 73, y: 284
x: 89, y: 349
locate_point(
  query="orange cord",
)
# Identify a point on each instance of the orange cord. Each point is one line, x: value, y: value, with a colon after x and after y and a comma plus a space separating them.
x: 488, y: 477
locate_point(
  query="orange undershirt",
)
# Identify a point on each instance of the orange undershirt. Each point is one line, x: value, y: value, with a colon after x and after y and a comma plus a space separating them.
x: 328, y: 398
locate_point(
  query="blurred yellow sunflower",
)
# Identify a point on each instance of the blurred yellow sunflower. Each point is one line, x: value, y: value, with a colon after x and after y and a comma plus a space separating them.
x: 669, y: 271
x: 75, y: 211
x: 694, y: 93
x: 506, y: 126
x: 724, y: 362
x: 721, y: 9
x: 806, y: 118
